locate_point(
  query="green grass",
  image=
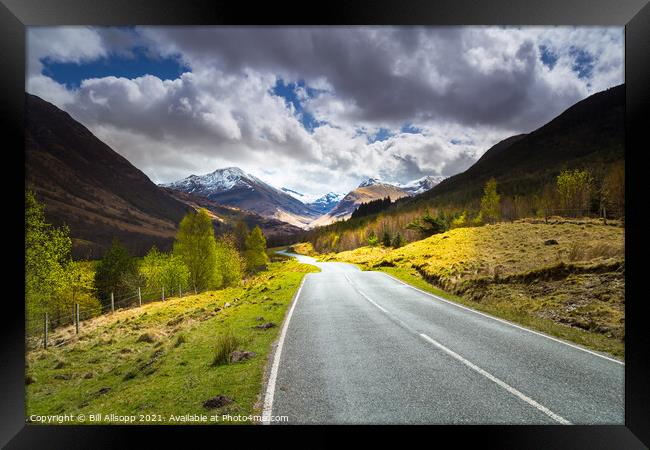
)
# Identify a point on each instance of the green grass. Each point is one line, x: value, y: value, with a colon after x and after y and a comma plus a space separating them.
x: 157, y: 360
x: 514, y: 313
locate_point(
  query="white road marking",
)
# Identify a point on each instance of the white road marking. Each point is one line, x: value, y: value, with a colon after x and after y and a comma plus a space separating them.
x: 270, y: 387
x: 503, y: 384
x: 469, y: 364
x: 505, y: 321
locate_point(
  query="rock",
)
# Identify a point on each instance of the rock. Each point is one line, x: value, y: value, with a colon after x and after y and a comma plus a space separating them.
x: 146, y: 337
x: 550, y: 242
x: 238, y: 356
x: 265, y: 326
x: 217, y: 402
x: 227, y: 305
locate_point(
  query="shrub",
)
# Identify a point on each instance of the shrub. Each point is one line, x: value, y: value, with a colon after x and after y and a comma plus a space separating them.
x: 225, y: 345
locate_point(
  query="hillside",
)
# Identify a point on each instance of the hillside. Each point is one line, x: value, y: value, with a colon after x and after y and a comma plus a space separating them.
x: 590, y: 133
x: 226, y: 217
x: 573, y: 287
x: 233, y: 187
x: 367, y: 191
x: 87, y: 185
x: 157, y: 360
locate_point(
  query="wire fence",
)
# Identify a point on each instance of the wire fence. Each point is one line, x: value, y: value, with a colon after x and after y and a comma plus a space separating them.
x: 49, y: 330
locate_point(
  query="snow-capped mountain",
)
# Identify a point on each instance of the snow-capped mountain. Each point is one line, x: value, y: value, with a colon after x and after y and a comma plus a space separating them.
x: 327, y: 202
x: 234, y: 187
x: 421, y: 185
x: 371, y: 181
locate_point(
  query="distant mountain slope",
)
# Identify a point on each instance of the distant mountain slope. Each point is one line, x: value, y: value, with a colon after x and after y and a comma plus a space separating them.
x: 368, y: 190
x: 87, y: 185
x: 590, y: 133
x: 326, y: 203
x: 232, y: 186
x: 421, y: 185
x: 227, y: 216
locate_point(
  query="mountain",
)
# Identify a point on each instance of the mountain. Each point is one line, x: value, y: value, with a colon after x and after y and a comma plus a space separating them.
x: 226, y: 217
x: 421, y: 185
x: 370, y: 189
x: 233, y: 187
x: 589, y: 134
x: 88, y: 186
x: 326, y: 203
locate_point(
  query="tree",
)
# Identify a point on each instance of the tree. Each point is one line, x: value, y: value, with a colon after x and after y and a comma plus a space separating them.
x: 117, y: 262
x: 47, y: 254
x: 574, y: 191
x: 460, y: 221
x: 428, y: 225
x: 613, y: 190
x: 256, y: 257
x: 229, y: 260
x: 78, y: 287
x: 398, y: 241
x: 490, y: 209
x: 372, y: 238
x: 385, y: 240
x: 196, y: 246
x: 160, y: 270
x: 241, y: 234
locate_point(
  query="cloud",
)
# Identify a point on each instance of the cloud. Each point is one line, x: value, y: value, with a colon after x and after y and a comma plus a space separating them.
x: 437, y: 96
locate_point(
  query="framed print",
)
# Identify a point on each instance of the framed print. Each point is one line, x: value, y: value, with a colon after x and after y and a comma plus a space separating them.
x: 416, y: 214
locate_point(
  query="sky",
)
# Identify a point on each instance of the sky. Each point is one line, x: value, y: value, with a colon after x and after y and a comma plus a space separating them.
x: 316, y: 109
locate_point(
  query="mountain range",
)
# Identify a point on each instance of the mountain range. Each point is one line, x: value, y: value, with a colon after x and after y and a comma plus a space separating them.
x: 234, y: 187
x: 100, y: 195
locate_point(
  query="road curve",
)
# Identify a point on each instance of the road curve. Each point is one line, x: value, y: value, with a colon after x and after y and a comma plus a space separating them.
x: 364, y: 348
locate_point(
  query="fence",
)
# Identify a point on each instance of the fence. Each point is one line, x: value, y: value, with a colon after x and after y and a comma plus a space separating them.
x: 38, y: 329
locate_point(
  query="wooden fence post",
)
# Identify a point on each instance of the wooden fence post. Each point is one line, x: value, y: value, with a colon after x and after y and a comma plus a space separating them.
x: 180, y: 292
x: 77, y: 316
x: 163, y: 293
x: 45, y: 334
x: 139, y: 297
x: 112, y: 303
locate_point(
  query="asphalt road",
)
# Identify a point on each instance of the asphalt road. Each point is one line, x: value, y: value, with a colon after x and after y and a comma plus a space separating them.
x: 362, y: 347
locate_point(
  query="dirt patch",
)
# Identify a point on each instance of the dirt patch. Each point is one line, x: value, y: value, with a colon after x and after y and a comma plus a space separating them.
x: 146, y: 337
x: 104, y: 390
x: 217, y: 402
x: 238, y: 356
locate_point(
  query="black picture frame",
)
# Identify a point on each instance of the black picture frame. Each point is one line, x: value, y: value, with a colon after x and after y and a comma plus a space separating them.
x: 15, y: 15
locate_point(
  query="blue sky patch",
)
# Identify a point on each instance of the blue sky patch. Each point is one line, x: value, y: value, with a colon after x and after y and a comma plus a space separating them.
x: 583, y: 62
x: 548, y: 57
x: 409, y: 128
x: 142, y: 63
x: 288, y: 92
x: 381, y: 135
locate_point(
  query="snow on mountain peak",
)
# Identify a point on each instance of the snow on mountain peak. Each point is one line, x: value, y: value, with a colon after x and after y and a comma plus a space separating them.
x: 370, y: 181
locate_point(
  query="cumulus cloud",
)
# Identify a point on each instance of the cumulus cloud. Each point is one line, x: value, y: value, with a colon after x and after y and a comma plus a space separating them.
x: 460, y: 89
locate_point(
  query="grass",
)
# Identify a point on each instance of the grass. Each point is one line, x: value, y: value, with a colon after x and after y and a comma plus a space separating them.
x: 573, y: 289
x: 226, y: 344
x: 112, y: 368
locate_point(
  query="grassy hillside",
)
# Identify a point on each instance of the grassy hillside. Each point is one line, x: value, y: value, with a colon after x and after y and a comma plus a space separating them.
x: 157, y: 359
x: 573, y: 288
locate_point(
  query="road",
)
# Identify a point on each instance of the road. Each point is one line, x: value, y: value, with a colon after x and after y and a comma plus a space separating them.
x: 362, y: 347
